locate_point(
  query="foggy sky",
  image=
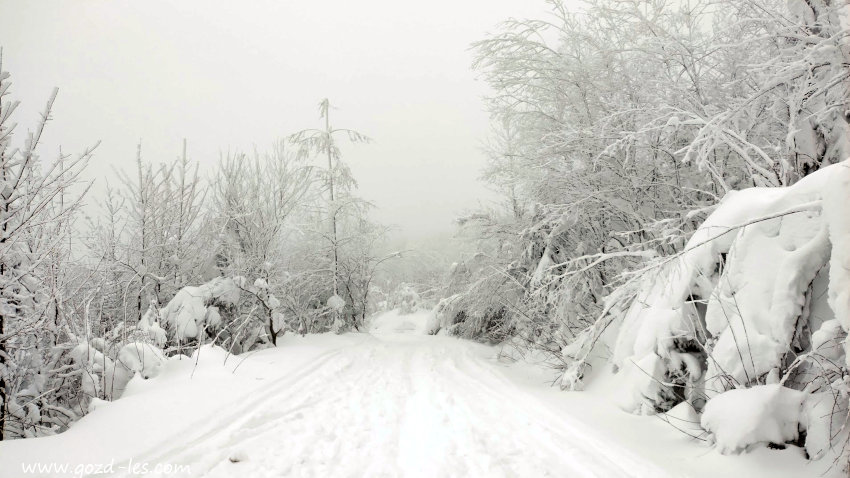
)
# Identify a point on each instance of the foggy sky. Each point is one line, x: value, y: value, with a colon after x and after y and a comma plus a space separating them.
x: 227, y: 76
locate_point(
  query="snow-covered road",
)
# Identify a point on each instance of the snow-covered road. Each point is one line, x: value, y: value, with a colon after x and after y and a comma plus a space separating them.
x: 395, y: 405
x: 384, y: 404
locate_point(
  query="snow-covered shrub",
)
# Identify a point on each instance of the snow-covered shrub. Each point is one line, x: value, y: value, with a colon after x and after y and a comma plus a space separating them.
x: 104, y: 376
x: 467, y: 315
x: 764, y: 414
x: 151, y: 327
x: 479, y: 294
x: 336, y: 303
x: 739, y: 295
x: 196, y: 309
x: 270, y: 309
x: 444, y: 315
x: 752, y: 301
x: 740, y: 419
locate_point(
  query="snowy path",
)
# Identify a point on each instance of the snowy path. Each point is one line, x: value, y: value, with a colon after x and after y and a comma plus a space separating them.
x: 382, y: 405
x: 396, y: 406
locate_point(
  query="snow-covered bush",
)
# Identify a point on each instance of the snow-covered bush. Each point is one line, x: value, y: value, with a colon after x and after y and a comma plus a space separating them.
x: 151, y: 327
x: 106, y: 377
x: 444, y: 315
x: 741, y: 292
x: 764, y: 414
x: 336, y: 303
x: 741, y: 419
x: 752, y: 301
x: 196, y: 309
x: 270, y: 311
x: 481, y: 292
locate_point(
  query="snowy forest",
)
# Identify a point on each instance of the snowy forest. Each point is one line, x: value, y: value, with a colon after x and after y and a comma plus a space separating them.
x: 658, y: 283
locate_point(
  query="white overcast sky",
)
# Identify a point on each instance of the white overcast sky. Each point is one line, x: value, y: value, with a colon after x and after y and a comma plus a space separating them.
x: 232, y: 75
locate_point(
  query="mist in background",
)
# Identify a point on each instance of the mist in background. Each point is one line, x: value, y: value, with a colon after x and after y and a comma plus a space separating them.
x: 235, y: 76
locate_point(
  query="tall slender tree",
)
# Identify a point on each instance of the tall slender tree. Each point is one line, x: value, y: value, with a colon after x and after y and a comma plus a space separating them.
x: 321, y: 142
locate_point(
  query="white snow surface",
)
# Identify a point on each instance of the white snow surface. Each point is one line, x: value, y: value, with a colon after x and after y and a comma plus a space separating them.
x: 395, y: 321
x: 380, y: 405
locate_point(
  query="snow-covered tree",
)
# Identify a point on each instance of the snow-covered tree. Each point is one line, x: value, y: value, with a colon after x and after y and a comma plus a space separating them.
x: 620, y: 126
x: 37, y: 202
x: 146, y: 242
x: 255, y: 202
x: 338, y: 179
x: 163, y: 219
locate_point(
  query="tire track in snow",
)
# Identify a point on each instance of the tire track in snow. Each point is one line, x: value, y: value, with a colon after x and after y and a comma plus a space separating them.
x: 341, y: 434
x: 424, y: 407
x: 197, y: 433
x: 583, y: 446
